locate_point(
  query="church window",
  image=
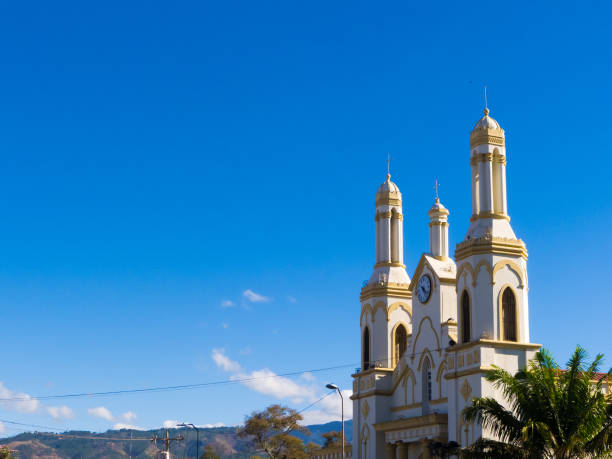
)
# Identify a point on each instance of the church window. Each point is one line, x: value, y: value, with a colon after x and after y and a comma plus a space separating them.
x: 509, y: 315
x: 401, y: 342
x: 366, y: 348
x: 465, y: 318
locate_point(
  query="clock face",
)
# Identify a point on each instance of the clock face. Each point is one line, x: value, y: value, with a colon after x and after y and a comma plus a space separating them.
x: 424, y: 288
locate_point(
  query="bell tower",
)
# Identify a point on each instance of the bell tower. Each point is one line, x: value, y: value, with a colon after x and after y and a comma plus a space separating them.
x: 385, y: 323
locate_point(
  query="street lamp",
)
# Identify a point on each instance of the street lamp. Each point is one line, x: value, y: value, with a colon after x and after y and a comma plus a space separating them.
x: 334, y: 387
x: 197, y: 437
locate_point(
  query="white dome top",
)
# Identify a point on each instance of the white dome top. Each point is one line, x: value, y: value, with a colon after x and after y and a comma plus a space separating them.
x: 388, y: 186
x: 486, y: 122
x: 388, y: 193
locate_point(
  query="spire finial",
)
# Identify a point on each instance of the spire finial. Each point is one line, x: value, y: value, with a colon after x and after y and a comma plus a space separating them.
x: 486, y: 109
x: 436, y: 185
x: 388, y: 166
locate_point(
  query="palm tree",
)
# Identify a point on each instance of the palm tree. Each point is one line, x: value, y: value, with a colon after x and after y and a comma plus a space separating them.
x: 551, y: 413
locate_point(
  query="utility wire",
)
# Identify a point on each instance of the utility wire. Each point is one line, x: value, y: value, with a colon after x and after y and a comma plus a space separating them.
x: 188, y: 386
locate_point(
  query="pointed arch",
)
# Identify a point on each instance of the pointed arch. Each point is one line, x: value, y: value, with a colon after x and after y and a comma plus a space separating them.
x: 399, y: 341
x: 466, y: 267
x: 441, y: 370
x: 508, y: 314
x: 513, y: 266
x: 426, y: 354
x: 377, y: 306
x: 482, y: 264
x: 465, y: 317
x: 405, y: 306
x: 420, y: 329
x: 365, y: 310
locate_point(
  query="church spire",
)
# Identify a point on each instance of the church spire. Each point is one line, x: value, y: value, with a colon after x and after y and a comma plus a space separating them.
x: 438, y: 230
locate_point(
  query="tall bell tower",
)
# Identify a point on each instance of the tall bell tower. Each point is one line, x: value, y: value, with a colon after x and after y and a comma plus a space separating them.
x: 385, y: 323
x: 491, y: 285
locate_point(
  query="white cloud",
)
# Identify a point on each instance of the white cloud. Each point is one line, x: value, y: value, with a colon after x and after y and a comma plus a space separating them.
x: 101, y: 412
x: 120, y: 426
x: 292, y: 299
x: 227, y: 303
x: 255, y: 297
x: 267, y: 382
x: 224, y: 361
x: 60, y: 412
x: 128, y: 416
x: 170, y: 424
x: 263, y: 381
x: 22, y: 402
x: 308, y: 376
x: 2, y: 428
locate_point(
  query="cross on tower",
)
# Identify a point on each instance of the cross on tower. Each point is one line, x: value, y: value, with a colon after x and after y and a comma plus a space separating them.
x: 485, y: 94
x: 388, y: 163
x: 436, y: 185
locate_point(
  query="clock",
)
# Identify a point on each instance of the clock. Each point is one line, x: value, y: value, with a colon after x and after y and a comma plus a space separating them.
x: 424, y: 288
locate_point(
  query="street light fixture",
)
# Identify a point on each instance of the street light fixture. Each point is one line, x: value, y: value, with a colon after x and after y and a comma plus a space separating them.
x: 334, y: 387
x: 197, y: 437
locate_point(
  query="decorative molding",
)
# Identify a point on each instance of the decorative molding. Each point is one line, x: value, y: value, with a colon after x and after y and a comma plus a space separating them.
x: 399, y: 304
x: 365, y: 409
x: 426, y: 353
x: 513, y: 266
x: 379, y: 289
x: 482, y: 215
x: 418, y: 421
x: 426, y: 318
x: 466, y: 390
x: 490, y: 245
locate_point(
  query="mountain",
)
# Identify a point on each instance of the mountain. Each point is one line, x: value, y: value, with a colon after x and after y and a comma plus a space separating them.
x: 116, y: 444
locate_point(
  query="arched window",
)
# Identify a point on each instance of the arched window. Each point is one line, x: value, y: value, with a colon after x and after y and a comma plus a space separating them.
x: 366, y: 348
x: 509, y: 315
x: 466, y: 322
x: 426, y: 386
x: 401, y: 342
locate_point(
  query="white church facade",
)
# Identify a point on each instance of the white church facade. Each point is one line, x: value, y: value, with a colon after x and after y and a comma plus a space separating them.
x: 427, y: 340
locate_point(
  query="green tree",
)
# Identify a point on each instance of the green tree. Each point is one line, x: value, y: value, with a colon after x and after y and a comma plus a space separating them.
x: 210, y: 453
x: 5, y: 453
x: 332, y: 439
x: 271, y: 429
x: 551, y: 413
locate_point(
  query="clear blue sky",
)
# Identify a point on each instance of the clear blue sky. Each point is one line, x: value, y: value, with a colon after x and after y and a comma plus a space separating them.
x: 159, y: 159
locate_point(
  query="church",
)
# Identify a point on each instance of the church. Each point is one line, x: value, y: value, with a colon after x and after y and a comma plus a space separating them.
x: 427, y: 340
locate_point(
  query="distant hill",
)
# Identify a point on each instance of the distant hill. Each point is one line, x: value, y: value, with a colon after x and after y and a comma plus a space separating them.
x: 72, y: 445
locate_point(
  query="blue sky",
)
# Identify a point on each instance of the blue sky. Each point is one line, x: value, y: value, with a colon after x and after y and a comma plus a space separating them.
x: 159, y: 160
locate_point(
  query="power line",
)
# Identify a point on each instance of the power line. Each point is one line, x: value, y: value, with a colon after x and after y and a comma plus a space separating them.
x: 188, y: 386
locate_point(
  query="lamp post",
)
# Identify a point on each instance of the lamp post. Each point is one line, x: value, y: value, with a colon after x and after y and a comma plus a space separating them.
x: 334, y: 387
x: 197, y: 437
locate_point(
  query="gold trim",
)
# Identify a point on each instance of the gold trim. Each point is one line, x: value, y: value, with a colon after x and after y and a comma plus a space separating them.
x: 387, y: 201
x: 396, y: 358
x: 513, y: 267
x: 469, y: 371
x: 418, y: 421
x: 389, y: 264
x: 438, y: 224
x: 488, y: 137
x: 416, y: 340
x: 392, y: 289
x: 419, y: 270
x: 426, y: 353
x: 406, y: 407
x: 405, y: 306
x: 438, y: 401
x: 490, y: 245
x: 483, y: 215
